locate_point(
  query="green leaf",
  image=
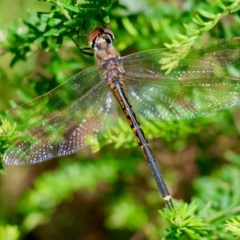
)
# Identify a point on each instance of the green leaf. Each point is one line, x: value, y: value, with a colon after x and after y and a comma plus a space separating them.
x: 51, y: 32
x: 233, y: 226
x: 235, y: 9
x: 220, y: 4
x: 198, y: 20
x: 183, y: 222
x: 69, y: 7
x: 207, y: 14
x: 191, y: 30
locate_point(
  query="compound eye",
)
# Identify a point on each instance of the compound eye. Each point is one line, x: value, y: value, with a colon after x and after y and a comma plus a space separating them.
x: 93, y: 36
x: 109, y: 32
x: 108, y: 40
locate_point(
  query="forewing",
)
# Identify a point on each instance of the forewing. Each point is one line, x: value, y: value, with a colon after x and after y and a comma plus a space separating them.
x: 206, y: 79
x: 70, y: 117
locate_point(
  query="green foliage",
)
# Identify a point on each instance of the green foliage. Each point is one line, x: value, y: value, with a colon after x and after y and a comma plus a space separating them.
x: 8, y: 232
x: 47, y: 30
x: 233, y: 226
x: 123, y: 214
x: 7, y: 134
x: 119, y: 184
x: 184, y: 222
x: 209, y: 211
x: 52, y: 188
x: 205, y: 21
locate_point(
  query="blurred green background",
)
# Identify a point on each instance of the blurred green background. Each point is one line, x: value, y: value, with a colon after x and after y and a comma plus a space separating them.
x: 110, y: 194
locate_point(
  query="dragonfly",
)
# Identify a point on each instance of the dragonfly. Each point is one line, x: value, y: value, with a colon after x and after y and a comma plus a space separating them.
x: 81, y: 110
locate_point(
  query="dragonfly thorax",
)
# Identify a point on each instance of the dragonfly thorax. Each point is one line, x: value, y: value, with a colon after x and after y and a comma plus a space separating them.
x: 107, y: 57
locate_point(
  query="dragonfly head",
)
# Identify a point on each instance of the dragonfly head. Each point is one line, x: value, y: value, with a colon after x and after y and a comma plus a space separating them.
x: 101, y: 38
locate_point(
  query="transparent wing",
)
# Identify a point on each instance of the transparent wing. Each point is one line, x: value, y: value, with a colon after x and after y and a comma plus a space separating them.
x: 205, y: 80
x: 72, y: 116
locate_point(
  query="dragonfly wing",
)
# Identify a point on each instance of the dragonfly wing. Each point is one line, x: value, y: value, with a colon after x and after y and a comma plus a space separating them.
x: 70, y: 117
x: 200, y: 82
